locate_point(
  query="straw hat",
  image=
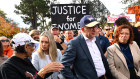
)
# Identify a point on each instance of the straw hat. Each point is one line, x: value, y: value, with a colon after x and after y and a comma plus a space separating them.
x: 137, y: 24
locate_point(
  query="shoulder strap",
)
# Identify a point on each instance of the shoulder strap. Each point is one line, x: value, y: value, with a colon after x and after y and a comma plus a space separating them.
x: 125, y: 56
x: 118, y: 48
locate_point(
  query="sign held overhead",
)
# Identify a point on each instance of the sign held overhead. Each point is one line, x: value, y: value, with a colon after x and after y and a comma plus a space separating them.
x: 67, y: 16
x: 112, y: 19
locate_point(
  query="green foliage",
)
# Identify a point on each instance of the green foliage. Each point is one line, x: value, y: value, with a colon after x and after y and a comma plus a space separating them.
x: 2, y: 14
x: 130, y: 3
x: 33, y: 11
x: 97, y: 9
x: 46, y: 27
x: 127, y: 1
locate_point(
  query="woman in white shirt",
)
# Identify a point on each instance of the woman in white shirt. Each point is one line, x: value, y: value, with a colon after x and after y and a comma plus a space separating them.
x: 46, y: 53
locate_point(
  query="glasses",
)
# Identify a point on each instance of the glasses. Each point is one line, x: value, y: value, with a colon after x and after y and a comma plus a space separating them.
x: 32, y: 45
x: 107, y: 29
x: 4, y: 40
x: 36, y: 38
x: 124, y: 34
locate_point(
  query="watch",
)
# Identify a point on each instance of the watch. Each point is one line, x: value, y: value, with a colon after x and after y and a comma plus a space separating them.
x: 61, y: 42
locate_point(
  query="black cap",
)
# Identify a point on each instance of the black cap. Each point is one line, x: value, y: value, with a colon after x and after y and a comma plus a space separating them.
x: 54, y: 26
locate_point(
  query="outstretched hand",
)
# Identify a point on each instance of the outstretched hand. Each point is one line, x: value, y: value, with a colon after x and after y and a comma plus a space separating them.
x: 51, y: 67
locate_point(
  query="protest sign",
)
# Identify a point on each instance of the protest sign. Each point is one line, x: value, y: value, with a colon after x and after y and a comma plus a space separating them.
x: 135, y: 10
x: 67, y: 16
x: 112, y: 19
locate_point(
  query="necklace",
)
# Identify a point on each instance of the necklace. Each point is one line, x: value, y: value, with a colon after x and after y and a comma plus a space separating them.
x: 125, y: 48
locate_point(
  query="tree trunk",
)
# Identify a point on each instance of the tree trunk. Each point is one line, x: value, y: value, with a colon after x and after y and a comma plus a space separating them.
x: 82, y: 1
x: 34, y: 24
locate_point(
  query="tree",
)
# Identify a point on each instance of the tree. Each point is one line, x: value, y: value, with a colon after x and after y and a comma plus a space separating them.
x: 97, y: 9
x: 2, y: 14
x: 8, y: 29
x: 130, y: 4
x: 33, y: 11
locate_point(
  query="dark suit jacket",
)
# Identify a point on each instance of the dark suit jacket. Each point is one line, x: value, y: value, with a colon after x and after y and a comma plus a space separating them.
x: 136, y: 35
x: 78, y: 55
x: 104, y: 42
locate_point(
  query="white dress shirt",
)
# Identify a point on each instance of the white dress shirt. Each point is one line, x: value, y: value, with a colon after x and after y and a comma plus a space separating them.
x: 96, y: 56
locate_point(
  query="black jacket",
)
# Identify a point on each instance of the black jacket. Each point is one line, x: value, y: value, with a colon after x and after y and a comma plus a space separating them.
x: 136, y: 35
x: 16, y: 68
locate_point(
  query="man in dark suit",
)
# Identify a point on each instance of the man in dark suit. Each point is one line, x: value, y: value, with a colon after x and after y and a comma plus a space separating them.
x: 84, y: 54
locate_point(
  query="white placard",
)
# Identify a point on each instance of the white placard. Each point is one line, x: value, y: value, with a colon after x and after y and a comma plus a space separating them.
x: 112, y: 19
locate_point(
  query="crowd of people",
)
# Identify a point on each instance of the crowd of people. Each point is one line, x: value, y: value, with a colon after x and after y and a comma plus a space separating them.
x: 112, y: 52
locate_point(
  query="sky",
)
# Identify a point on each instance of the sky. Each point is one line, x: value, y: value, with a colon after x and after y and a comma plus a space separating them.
x: 8, y: 6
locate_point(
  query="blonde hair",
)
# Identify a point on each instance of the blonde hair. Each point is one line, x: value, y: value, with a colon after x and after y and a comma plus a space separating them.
x: 34, y: 32
x: 52, y: 47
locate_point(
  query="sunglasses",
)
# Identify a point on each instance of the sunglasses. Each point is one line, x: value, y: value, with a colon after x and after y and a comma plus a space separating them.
x: 32, y: 45
x: 4, y: 40
x: 107, y: 29
x: 36, y: 38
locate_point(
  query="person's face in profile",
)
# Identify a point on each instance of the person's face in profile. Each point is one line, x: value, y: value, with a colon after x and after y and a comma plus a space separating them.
x: 29, y: 48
